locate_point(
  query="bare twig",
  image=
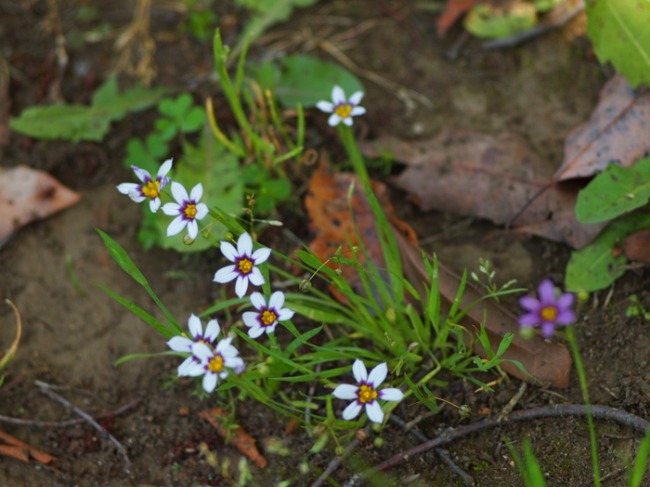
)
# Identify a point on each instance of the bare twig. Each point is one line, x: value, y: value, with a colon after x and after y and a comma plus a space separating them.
x: 513, y: 401
x: 452, y: 434
x: 67, y: 422
x: 334, y: 464
x: 442, y: 454
x: 47, y: 390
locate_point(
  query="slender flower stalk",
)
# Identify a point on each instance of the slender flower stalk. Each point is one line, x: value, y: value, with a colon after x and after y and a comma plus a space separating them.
x: 366, y: 393
x: 150, y: 188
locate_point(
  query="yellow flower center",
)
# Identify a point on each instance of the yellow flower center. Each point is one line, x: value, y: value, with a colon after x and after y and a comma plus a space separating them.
x: 245, y: 266
x: 216, y: 364
x: 268, y: 317
x: 190, y: 211
x: 151, y: 190
x: 548, y: 313
x: 343, y: 110
x: 367, y: 394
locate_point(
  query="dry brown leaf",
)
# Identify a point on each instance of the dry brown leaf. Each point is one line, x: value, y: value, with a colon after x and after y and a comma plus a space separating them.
x: 488, y: 176
x: 617, y: 131
x: 330, y: 219
x: 15, y: 448
x: 244, y: 442
x: 636, y: 246
x: 454, y: 10
x: 27, y: 195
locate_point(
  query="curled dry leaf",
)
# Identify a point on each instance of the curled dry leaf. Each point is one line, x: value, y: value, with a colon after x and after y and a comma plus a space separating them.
x: 332, y: 223
x: 244, y: 442
x: 497, y: 177
x: 27, y: 195
x: 14, y: 448
x: 617, y: 131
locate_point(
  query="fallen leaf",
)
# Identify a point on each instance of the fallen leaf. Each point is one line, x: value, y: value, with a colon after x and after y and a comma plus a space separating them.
x: 244, y: 442
x: 27, y: 195
x: 454, y: 9
x: 616, y: 132
x: 332, y: 223
x: 497, y: 177
x: 15, y: 448
x: 637, y: 246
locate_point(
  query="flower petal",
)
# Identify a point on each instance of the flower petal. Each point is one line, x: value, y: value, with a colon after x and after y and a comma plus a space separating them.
x: 285, y: 314
x: 193, y: 369
x: 176, y: 226
x: 333, y: 120
x: 180, y: 344
x: 338, y: 95
x: 565, y: 301
x: 212, y: 331
x: 165, y: 168
x: 195, y: 326
x: 126, y: 188
x: 241, y: 286
x: 210, y: 382
x: 277, y: 300
x: 179, y: 192
x: 235, y: 363
x: 255, y: 277
x: 244, y: 245
x: 197, y: 192
x: 192, y: 229
x: 258, y: 300
x: 141, y: 174
x: 530, y: 303
x: 359, y: 371
x: 352, y: 411
x: 201, y: 351
x: 201, y: 211
x: 356, y: 97
x: 529, y: 319
x: 373, y: 410
x: 250, y: 318
x: 391, y: 394
x: 548, y: 328
x: 171, y: 209
x: 546, y: 292
x: 566, y: 317
x: 154, y: 204
x: 325, y: 106
x: 346, y: 391
x: 348, y: 121
x: 226, y: 274
x: 261, y: 255
x: 356, y: 111
x: 255, y: 331
x: 378, y: 375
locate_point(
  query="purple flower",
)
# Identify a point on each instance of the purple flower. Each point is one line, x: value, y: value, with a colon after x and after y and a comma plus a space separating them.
x: 245, y: 261
x: 549, y: 310
x: 150, y: 188
x: 266, y: 318
x: 187, y: 210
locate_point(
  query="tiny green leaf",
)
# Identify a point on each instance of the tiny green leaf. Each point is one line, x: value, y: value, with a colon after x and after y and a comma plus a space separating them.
x: 615, y: 191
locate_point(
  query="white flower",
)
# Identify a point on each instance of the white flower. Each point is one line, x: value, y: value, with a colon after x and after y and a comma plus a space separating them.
x: 187, y: 210
x: 184, y: 344
x: 213, y: 363
x: 245, y: 264
x: 150, y: 188
x: 266, y: 318
x: 342, y: 109
x: 367, y: 393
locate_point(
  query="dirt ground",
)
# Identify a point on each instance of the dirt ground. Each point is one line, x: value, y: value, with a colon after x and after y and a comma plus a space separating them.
x: 73, y: 332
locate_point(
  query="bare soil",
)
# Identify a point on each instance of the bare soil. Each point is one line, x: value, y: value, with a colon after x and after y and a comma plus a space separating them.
x: 73, y: 332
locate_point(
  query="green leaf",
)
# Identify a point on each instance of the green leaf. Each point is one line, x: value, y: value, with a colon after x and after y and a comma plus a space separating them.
x: 614, y: 191
x: 619, y: 32
x: 82, y: 122
x: 220, y: 174
x: 306, y: 80
x: 490, y: 22
x: 599, y: 264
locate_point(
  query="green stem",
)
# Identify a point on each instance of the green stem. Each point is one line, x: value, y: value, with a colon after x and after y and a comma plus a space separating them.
x: 577, y: 358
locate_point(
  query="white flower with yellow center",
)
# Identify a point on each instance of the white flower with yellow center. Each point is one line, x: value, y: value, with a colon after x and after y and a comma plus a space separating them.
x: 366, y: 393
x: 184, y: 343
x: 187, y: 210
x: 266, y: 318
x: 215, y: 363
x: 150, y: 188
x: 245, y: 261
x: 341, y: 108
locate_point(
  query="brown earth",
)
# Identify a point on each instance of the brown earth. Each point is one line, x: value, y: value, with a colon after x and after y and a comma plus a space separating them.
x: 73, y: 332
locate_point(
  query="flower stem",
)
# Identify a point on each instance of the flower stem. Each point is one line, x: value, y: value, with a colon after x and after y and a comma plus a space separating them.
x: 577, y: 358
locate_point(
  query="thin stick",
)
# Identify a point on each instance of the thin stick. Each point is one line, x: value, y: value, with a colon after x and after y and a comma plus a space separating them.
x: 554, y: 410
x: 67, y: 422
x: 443, y: 454
x: 334, y: 464
x: 47, y: 390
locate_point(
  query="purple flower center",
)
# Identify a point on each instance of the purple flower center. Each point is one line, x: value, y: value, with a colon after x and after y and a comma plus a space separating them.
x: 267, y: 317
x: 188, y: 210
x: 549, y: 313
x: 366, y: 393
x: 244, y: 265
